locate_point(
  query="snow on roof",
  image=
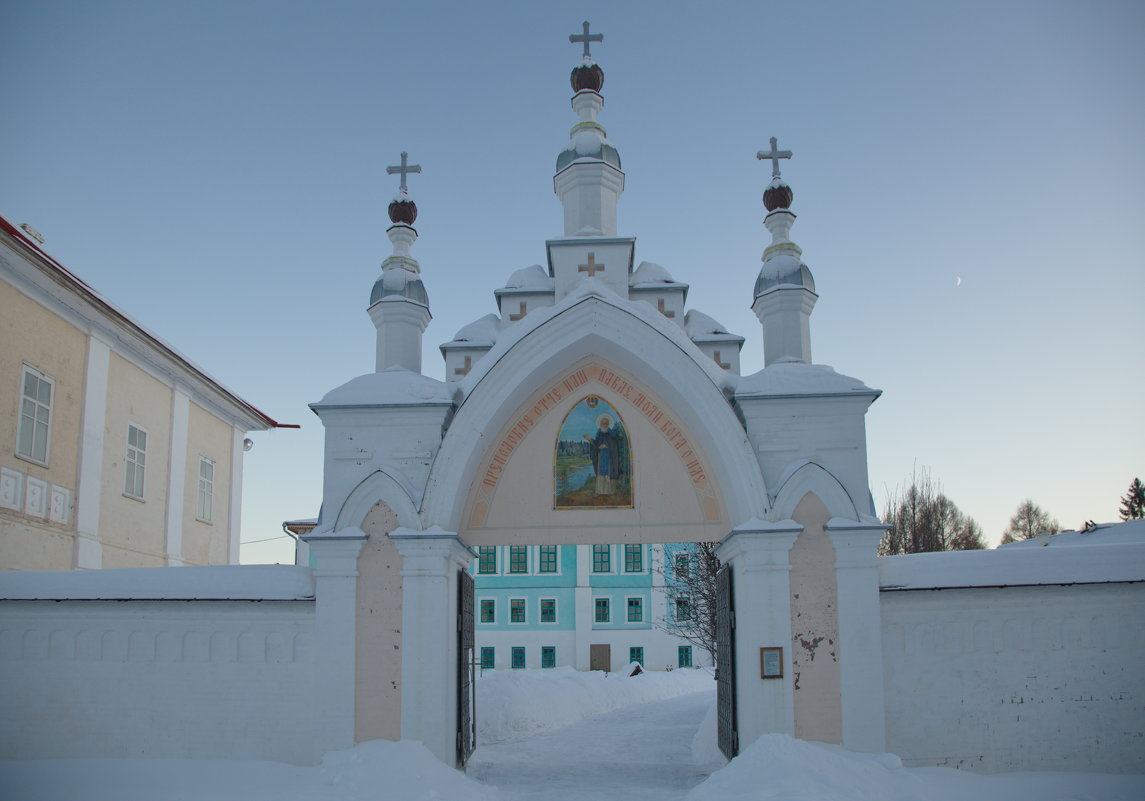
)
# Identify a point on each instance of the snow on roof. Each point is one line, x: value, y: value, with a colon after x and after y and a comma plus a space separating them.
x: 698, y: 324
x: 650, y: 273
x: 1010, y: 567
x: 394, y: 386
x: 484, y: 330
x: 784, y: 379
x: 226, y: 582
x: 1130, y: 531
x: 533, y: 277
x: 593, y: 288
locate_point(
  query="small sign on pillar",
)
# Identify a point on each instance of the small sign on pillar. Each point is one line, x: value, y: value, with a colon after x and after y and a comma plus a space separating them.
x: 771, y: 663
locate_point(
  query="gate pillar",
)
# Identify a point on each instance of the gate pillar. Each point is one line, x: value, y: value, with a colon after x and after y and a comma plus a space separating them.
x: 860, y: 634
x: 758, y: 554
x: 335, y: 560
x: 430, y: 561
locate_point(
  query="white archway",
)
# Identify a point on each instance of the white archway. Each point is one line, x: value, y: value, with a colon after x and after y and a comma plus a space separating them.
x: 806, y: 476
x: 655, y: 351
x: 378, y: 486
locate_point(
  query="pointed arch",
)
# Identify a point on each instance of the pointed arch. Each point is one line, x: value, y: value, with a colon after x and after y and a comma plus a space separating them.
x: 378, y: 486
x: 806, y: 476
x: 654, y: 352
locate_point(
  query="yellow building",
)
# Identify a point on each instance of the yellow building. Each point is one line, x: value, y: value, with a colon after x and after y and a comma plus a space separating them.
x: 115, y: 450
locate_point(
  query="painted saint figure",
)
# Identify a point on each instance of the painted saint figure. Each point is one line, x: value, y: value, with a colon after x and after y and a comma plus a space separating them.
x: 605, y: 455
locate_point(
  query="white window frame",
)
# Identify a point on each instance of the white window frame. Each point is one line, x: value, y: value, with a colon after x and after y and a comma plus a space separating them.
x: 596, y: 622
x: 40, y: 375
x: 128, y: 461
x: 556, y: 612
x: 524, y: 608
x: 209, y: 517
x: 643, y: 612
x: 557, y: 572
x: 509, y: 561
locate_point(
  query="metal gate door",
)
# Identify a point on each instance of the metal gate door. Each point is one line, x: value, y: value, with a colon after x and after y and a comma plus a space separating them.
x: 466, y: 671
x: 725, y: 659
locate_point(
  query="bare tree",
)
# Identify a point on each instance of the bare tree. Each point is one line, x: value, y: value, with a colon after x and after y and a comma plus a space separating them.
x: 922, y: 519
x: 1028, y: 521
x: 690, y: 584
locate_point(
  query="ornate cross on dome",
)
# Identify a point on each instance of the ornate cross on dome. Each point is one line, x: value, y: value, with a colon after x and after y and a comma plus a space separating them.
x: 586, y: 37
x: 404, y: 169
x: 592, y: 268
x: 775, y: 155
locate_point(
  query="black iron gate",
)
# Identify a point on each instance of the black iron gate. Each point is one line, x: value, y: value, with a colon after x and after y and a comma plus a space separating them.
x: 466, y: 671
x: 725, y: 659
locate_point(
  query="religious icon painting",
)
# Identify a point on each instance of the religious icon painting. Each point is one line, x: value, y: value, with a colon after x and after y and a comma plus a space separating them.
x: 592, y: 465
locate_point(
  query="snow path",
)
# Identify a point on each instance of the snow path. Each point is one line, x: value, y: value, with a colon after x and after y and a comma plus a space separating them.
x: 640, y: 752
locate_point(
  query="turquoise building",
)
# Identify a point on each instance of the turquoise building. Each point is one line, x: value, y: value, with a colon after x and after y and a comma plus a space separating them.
x: 594, y: 607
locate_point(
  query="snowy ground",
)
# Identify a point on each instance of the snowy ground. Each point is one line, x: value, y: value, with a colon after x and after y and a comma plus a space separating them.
x: 556, y: 735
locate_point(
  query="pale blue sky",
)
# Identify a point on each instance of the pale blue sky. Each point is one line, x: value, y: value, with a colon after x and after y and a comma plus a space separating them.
x: 217, y: 170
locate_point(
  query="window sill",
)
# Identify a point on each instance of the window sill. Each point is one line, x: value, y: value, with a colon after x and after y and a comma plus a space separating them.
x: 136, y: 498
x: 30, y: 460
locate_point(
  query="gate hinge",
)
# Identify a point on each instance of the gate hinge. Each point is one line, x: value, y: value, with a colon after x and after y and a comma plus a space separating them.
x: 733, y: 619
x: 459, y: 621
x: 458, y: 741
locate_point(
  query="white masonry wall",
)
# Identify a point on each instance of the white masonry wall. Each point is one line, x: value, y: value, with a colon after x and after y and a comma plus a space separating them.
x: 1017, y: 678
x: 174, y: 678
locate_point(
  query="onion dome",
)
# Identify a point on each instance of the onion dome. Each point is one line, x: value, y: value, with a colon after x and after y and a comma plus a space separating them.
x: 403, y: 209
x: 783, y: 270
x: 587, y: 75
x: 778, y: 195
x: 399, y: 284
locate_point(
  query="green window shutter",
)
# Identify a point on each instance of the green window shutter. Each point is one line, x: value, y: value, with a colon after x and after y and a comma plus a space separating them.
x: 636, y: 654
x: 684, y: 656
x: 548, y: 656
x: 518, y: 658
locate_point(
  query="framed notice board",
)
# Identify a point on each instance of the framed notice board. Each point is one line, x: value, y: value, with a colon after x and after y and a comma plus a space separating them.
x: 771, y: 663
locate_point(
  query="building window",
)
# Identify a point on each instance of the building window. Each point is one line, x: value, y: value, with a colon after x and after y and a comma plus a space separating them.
x: 518, y: 658
x: 486, y: 559
x: 684, y: 656
x: 35, y: 416
x: 548, y: 610
x: 517, y: 610
x: 548, y: 656
x: 635, y: 610
x: 518, y: 559
x: 636, y: 654
x: 548, y: 559
x: 488, y: 611
x: 601, y: 558
x: 206, y: 490
x: 602, y: 615
x: 633, y: 558
x: 135, y: 461
x: 486, y: 658
x: 682, y: 565
x: 683, y: 609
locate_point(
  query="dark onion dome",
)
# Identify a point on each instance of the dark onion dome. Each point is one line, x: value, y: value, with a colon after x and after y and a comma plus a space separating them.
x: 587, y: 76
x: 778, y: 195
x: 403, y: 210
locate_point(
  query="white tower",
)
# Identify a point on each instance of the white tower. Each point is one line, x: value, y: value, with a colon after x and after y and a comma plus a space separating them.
x: 785, y: 289
x: 588, y: 182
x: 399, y: 305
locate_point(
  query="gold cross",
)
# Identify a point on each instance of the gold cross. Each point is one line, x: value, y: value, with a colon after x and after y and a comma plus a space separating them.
x: 715, y: 356
x: 464, y: 370
x: 660, y: 308
x: 592, y: 268
x: 523, y: 311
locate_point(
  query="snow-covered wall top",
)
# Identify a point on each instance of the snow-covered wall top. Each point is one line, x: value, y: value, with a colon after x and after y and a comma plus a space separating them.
x: 783, y: 379
x: 1131, y: 531
x: 1013, y: 568
x: 228, y: 582
x: 394, y: 386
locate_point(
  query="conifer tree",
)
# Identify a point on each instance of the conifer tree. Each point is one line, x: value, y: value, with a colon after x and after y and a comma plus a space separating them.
x: 1133, y: 504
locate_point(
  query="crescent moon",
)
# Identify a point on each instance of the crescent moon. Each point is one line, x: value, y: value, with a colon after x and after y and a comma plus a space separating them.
x: 958, y: 280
